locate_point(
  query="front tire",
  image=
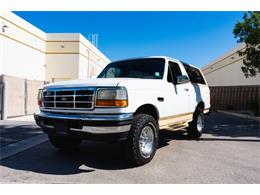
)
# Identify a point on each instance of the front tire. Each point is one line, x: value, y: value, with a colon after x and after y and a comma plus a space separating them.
x: 142, y: 141
x: 196, y: 127
x: 64, y: 143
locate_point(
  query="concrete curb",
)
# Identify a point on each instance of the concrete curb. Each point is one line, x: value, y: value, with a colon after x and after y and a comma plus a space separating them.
x: 240, y: 115
x: 20, y: 146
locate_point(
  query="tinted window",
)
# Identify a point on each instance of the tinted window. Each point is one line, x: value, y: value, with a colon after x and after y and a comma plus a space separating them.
x: 194, y: 74
x: 150, y: 68
x: 113, y: 72
x: 173, y: 71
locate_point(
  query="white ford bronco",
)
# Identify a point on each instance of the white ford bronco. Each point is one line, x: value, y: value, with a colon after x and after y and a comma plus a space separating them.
x: 130, y: 101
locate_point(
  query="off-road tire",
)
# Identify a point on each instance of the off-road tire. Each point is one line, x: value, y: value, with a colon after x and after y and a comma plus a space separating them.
x: 132, y: 145
x: 192, y: 130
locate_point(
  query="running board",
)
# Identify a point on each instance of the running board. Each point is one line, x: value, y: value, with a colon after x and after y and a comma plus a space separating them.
x: 177, y: 126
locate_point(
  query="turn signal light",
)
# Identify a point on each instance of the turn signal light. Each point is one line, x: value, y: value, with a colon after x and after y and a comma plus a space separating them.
x: 111, y: 103
x: 39, y: 98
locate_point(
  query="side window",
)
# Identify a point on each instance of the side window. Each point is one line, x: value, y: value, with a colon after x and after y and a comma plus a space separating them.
x: 194, y: 74
x: 173, y: 71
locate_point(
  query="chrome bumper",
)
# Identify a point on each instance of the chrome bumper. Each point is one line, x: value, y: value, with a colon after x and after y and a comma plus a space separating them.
x: 92, y: 123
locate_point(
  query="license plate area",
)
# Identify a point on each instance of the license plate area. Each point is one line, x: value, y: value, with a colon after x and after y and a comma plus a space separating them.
x: 61, y: 127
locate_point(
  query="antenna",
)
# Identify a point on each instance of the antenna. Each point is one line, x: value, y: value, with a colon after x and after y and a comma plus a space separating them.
x: 93, y: 38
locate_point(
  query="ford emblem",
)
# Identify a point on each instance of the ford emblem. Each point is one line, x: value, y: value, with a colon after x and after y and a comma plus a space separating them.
x: 63, y: 98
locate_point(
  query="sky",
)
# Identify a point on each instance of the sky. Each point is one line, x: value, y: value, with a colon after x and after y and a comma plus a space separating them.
x: 194, y: 37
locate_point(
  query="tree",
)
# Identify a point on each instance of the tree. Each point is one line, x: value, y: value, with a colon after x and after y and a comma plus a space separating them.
x: 248, y: 31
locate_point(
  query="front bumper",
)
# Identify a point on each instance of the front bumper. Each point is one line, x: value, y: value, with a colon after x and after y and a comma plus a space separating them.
x: 84, y: 123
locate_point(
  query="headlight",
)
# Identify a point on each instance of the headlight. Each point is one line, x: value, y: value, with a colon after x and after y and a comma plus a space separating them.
x: 39, y: 98
x: 114, y: 97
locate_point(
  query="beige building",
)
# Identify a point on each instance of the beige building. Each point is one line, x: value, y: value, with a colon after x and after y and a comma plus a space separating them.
x: 28, y: 52
x: 230, y: 89
x: 29, y: 57
x: 226, y: 70
x: 70, y: 56
x: 22, y: 48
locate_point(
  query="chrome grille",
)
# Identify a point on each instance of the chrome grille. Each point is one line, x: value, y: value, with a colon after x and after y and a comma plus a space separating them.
x: 78, y: 99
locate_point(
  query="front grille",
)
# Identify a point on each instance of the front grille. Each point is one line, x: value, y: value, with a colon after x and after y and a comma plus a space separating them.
x: 72, y: 99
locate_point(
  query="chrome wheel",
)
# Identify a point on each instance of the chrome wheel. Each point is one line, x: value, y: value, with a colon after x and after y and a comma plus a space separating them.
x: 146, y: 141
x: 200, y: 123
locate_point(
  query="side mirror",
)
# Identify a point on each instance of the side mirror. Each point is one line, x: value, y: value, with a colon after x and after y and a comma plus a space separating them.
x: 182, y: 79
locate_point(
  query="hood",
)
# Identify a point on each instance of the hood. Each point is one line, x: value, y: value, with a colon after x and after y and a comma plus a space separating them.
x: 143, y: 84
x: 98, y: 82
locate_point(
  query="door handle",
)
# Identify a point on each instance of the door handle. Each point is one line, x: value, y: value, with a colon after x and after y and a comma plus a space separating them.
x: 160, y: 99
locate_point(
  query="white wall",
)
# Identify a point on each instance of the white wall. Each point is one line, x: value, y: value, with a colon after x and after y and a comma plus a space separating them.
x: 1, y: 54
x: 28, y: 52
x: 83, y: 67
x: 22, y: 48
x: 21, y: 61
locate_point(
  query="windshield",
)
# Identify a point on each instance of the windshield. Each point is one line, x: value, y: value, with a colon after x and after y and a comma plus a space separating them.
x: 150, y: 68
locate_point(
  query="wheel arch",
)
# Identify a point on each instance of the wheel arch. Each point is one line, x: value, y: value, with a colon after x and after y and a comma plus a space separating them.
x: 148, y: 109
x: 200, y: 105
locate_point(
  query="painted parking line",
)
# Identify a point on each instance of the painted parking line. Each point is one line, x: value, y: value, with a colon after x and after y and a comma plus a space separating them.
x: 20, y: 146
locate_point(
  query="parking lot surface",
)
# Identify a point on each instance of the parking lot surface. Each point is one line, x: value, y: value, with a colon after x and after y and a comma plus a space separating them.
x: 228, y: 152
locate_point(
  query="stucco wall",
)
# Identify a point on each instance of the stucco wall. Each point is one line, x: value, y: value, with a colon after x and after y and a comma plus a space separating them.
x: 21, y: 95
x: 22, y: 48
x: 61, y: 67
x: 71, y: 56
x: 231, y: 75
x: 32, y: 91
x: 29, y: 56
x: 28, y: 52
x: 226, y: 71
x: 15, y: 96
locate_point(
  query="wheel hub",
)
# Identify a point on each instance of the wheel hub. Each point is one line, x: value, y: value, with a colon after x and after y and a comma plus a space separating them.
x: 200, y: 123
x: 146, y: 141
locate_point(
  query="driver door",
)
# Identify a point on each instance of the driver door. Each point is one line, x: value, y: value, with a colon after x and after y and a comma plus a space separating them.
x: 178, y: 95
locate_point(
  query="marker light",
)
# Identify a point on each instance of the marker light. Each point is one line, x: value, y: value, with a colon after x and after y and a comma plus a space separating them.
x: 39, y: 98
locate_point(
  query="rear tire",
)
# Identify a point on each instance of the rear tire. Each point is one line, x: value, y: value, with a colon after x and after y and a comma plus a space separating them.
x: 196, y: 127
x: 64, y: 143
x: 142, y: 141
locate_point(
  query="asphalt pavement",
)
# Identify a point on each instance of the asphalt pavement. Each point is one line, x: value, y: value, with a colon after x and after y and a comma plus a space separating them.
x: 12, y: 131
x: 228, y: 152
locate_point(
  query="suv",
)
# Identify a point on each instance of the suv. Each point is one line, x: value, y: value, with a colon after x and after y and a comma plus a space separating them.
x: 129, y: 101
